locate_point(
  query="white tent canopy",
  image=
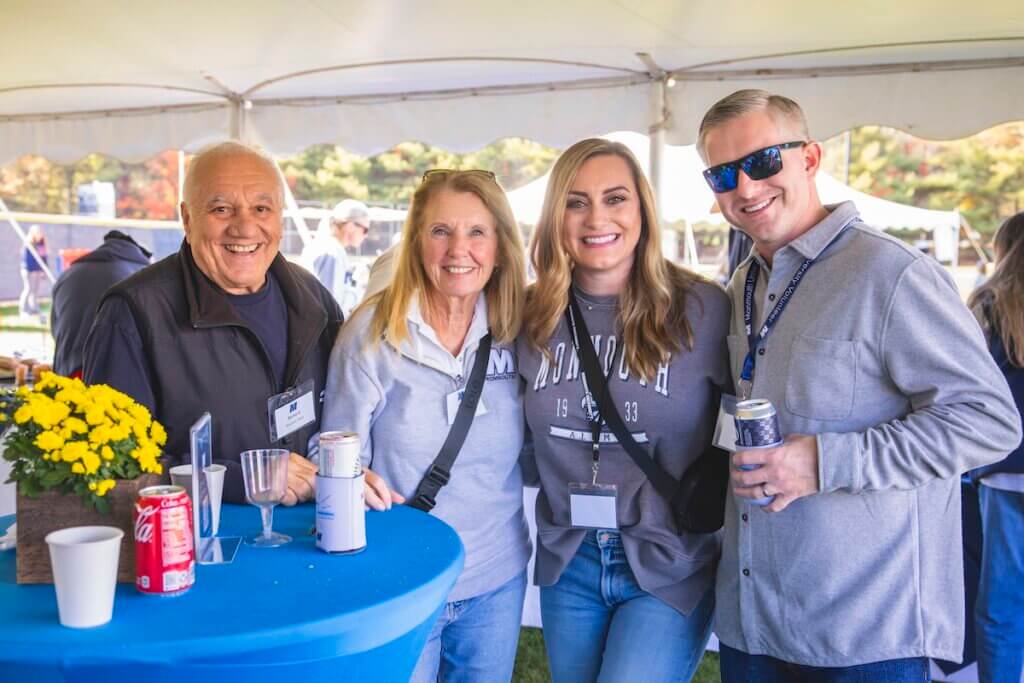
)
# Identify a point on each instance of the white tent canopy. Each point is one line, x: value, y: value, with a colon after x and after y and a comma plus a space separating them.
x: 131, y: 79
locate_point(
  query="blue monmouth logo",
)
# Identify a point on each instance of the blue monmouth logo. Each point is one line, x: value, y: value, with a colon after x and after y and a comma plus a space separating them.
x: 293, y: 407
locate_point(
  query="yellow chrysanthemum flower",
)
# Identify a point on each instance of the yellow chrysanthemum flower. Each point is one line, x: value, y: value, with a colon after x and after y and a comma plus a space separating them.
x: 91, y: 462
x: 107, y: 453
x: 157, y: 433
x: 74, y: 450
x: 99, y: 435
x: 23, y: 414
x: 105, y: 485
x: 49, y: 441
x: 76, y: 425
x: 77, y: 468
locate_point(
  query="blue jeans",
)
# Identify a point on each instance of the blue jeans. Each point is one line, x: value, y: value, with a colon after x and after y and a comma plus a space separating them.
x: 739, y: 667
x: 599, y: 625
x: 475, y: 639
x: 999, y: 611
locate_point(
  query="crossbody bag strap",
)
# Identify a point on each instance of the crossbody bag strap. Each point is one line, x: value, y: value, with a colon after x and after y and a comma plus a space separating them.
x: 662, y: 480
x: 440, y: 470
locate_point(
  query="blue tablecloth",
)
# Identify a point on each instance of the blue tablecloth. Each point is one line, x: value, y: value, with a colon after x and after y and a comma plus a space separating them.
x: 273, y: 614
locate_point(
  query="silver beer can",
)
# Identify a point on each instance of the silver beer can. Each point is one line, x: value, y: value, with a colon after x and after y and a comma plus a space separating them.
x: 757, y: 426
x: 339, y: 455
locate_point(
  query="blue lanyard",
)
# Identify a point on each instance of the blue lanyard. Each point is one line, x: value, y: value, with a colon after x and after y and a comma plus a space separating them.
x: 755, y: 341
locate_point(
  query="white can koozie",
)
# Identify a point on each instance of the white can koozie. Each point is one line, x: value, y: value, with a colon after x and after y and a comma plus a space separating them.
x: 340, y: 514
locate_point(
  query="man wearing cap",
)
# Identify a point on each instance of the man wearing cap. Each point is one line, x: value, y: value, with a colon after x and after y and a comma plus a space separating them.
x: 349, y: 225
x: 79, y: 289
x: 226, y: 325
x: 885, y: 393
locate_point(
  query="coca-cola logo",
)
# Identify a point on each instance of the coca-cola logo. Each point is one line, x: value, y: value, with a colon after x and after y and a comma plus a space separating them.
x: 144, y: 523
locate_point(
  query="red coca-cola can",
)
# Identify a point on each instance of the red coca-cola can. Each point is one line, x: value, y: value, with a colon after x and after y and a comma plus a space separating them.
x: 165, y: 557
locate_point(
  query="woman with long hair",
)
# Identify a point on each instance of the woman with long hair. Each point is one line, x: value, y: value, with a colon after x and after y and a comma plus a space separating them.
x: 999, y: 610
x: 397, y: 376
x: 625, y: 595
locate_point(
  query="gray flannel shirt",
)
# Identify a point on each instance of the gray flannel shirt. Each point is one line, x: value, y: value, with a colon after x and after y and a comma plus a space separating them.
x: 877, y: 356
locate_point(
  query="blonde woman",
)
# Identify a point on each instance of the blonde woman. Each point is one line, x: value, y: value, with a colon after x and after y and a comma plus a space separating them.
x: 398, y: 363
x: 999, y: 611
x: 624, y: 595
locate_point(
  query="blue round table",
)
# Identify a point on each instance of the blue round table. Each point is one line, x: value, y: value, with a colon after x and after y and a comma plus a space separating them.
x: 274, y: 614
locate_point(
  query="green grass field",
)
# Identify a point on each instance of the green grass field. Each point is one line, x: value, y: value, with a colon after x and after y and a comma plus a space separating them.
x: 532, y: 663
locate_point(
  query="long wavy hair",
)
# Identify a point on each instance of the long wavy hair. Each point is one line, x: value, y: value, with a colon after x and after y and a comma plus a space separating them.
x: 999, y: 302
x: 505, y: 291
x: 652, y: 309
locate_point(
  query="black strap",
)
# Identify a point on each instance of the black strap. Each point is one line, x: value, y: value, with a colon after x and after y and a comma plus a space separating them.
x: 440, y: 471
x: 662, y: 480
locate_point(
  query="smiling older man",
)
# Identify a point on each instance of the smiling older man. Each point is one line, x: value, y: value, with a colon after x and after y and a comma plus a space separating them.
x: 225, y: 325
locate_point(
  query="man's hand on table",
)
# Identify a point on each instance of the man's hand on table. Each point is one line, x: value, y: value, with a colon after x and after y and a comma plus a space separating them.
x: 301, y: 480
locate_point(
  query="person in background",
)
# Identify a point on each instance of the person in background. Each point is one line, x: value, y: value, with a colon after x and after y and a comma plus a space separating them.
x: 349, y: 226
x: 32, y: 274
x: 626, y: 596
x: 999, y: 610
x: 885, y: 394
x: 80, y: 288
x: 396, y: 377
x: 226, y: 325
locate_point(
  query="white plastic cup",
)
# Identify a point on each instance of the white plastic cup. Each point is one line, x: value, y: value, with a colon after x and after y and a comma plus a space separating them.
x: 215, y: 482
x: 181, y: 475
x: 84, y: 563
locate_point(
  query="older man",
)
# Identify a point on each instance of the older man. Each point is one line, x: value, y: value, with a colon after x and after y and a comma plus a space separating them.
x: 225, y: 325
x: 886, y: 392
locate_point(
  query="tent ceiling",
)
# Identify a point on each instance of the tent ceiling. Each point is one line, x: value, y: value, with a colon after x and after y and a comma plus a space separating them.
x: 131, y: 79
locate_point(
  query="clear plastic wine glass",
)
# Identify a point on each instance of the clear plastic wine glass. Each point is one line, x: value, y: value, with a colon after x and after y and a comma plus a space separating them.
x: 265, y: 472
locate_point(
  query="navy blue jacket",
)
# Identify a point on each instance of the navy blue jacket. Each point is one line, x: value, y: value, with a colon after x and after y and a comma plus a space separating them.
x: 78, y: 290
x: 1014, y: 462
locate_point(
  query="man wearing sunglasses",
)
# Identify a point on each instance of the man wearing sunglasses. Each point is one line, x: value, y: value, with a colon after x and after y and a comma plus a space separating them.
x: 349, y: 226
x: 885, y: 394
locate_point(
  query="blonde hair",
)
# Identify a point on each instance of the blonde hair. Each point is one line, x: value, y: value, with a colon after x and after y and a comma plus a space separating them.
x: 504, y: 291
x: 744, y: 102
x: 652, y: 308
x: 999, y: 302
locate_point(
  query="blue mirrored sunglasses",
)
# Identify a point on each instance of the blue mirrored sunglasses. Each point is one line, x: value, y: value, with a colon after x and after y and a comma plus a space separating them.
x: 764, y: 163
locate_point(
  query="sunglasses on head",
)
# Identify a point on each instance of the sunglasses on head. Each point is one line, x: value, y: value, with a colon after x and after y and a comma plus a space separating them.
x: 471, y: 171
x: 764, y: 163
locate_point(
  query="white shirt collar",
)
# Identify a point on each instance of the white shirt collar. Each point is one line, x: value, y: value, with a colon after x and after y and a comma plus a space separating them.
x: 423, y: 345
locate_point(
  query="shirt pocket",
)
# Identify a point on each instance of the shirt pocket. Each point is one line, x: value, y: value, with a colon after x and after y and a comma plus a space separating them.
x: 822, y: 378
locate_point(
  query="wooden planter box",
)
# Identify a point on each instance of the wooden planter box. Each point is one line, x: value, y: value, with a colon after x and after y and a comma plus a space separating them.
x: 50, y: 511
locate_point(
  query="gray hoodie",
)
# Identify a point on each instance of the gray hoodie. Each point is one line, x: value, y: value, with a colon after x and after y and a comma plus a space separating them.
x: 396, y: 399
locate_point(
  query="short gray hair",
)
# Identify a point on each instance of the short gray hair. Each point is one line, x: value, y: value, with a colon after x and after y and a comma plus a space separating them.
x: 224, y: 149
x: 744, y: 102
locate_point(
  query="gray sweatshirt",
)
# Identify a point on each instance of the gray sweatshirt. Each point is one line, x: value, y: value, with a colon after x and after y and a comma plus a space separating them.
x: 672, y: 417
x: 396, y: 399
x: 877, y: 356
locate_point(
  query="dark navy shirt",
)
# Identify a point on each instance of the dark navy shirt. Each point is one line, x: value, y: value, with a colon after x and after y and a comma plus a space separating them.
x: 267, y: 315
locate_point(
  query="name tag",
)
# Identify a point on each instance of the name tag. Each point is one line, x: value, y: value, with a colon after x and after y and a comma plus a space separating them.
x: 592, y: 506
x: 291, y: 410
x: 725, y: 428
x: 455, y: 400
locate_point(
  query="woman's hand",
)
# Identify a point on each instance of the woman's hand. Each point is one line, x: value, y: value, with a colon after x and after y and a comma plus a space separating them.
x: 378, y: 495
